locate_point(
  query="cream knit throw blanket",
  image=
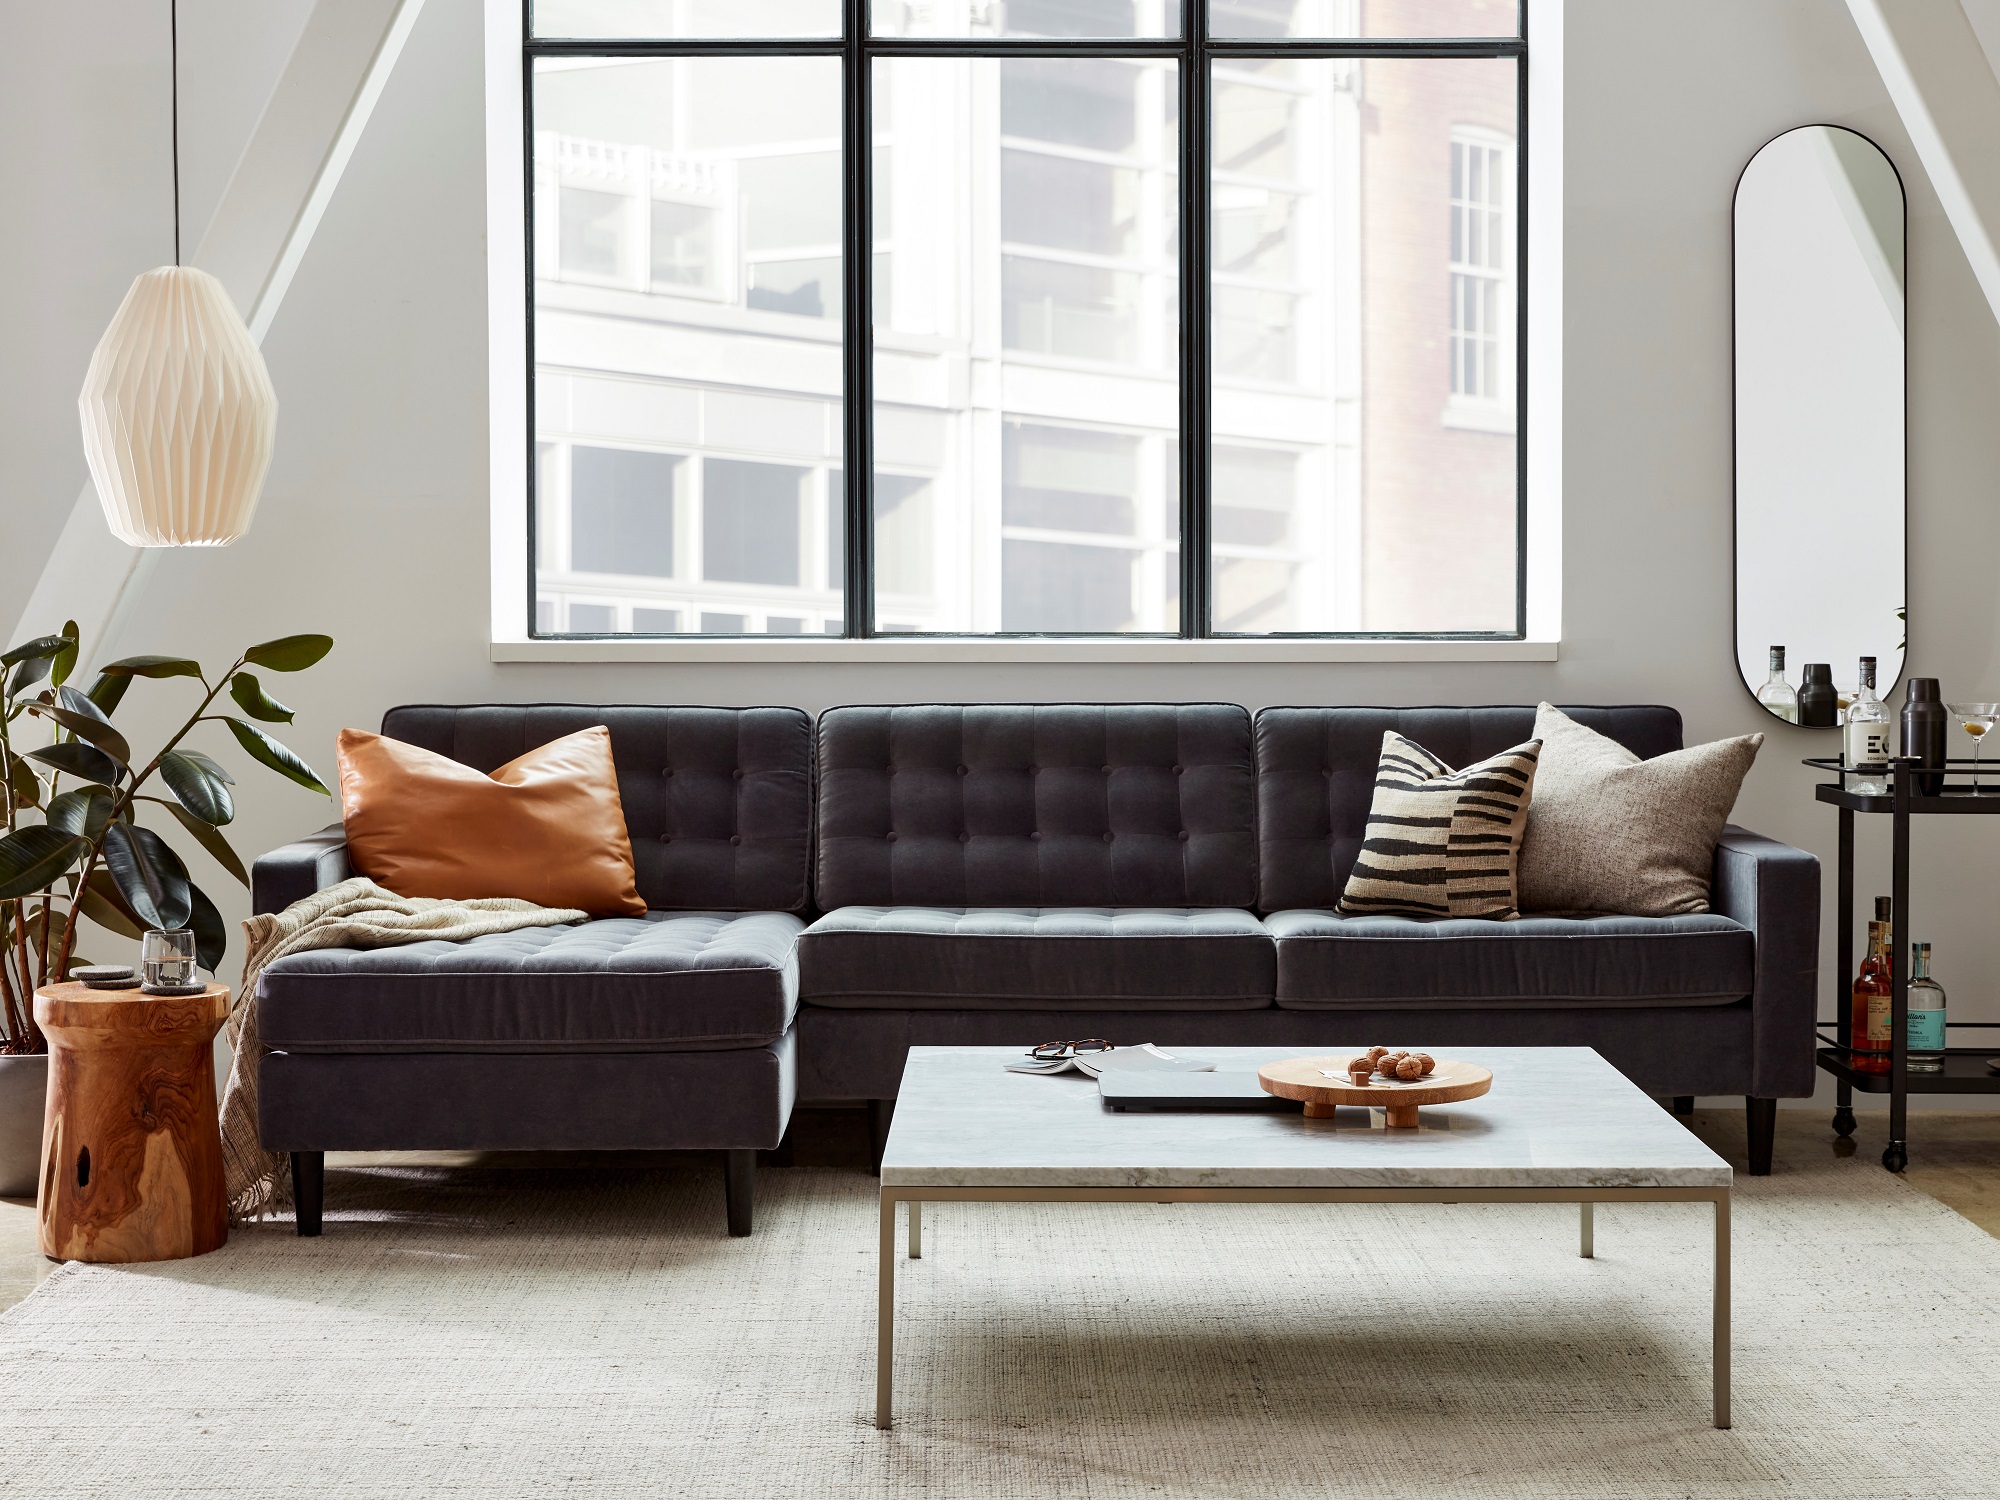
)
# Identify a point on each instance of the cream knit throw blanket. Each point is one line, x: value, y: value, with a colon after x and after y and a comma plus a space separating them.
x: 353, y: 914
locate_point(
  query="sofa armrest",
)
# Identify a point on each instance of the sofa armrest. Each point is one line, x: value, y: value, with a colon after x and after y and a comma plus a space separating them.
x: 296, y: 870
x: 1773, y: 889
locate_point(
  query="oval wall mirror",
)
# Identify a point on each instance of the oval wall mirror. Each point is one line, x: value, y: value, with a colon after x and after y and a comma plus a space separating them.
x: 1819, y: 416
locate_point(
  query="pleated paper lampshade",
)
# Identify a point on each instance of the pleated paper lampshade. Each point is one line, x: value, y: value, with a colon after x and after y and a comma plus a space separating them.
x: 178, y: 414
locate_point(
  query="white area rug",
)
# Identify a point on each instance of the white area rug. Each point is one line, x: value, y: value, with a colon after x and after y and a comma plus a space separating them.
x: 487, y: 1333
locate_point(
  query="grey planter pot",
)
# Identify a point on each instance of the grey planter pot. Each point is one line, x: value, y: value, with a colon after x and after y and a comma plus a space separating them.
x: 24, y: 1087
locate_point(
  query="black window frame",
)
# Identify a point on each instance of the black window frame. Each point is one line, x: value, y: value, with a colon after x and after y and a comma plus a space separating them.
x: 1194, y: 51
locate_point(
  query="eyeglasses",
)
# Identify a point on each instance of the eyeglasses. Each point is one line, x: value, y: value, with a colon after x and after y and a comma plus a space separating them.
x: 1054, y: 1051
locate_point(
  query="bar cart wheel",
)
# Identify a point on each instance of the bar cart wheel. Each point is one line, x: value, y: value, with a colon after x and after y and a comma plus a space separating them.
x: 1895, y: 1156
x: 1843, y: 1122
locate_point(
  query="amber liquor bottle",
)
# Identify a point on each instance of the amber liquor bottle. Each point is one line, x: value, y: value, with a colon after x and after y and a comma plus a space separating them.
x: 1874, y: 999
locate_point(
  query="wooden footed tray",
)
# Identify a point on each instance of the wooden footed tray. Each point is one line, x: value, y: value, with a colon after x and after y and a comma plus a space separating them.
x: 1307, y: 1079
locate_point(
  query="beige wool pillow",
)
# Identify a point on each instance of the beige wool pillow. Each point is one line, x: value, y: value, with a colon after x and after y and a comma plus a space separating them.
x: 1609, y: 832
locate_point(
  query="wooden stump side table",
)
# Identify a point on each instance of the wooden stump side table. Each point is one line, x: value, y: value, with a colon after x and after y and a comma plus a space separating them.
x: 131, y: 1147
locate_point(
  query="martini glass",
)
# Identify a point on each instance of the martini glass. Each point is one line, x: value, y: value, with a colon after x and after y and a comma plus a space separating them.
x: 1976, y: 719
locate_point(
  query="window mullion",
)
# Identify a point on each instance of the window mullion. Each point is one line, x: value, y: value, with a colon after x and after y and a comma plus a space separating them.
x: 858, y: 315
x: 1194, y: 321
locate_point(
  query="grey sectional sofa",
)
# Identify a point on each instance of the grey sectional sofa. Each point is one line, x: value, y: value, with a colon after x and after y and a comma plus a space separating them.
x: 997, y: 875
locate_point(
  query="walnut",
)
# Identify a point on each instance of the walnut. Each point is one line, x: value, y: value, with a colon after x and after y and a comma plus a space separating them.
x: 1372, y: 1056
x: 1429, y: 1062
x: 1410, y: 1068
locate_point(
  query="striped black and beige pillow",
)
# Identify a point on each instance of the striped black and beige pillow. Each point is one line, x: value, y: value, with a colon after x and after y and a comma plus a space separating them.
x: 1442, y: 843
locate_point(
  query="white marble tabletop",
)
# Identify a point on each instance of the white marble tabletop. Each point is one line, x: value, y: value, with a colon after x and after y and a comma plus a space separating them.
x: 1557, y: 1117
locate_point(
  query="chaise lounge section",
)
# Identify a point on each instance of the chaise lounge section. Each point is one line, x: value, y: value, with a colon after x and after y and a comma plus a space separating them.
x: 667, y: 1031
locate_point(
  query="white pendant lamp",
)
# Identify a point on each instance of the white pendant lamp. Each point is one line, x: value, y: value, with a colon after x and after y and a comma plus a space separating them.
x: 179, y: 416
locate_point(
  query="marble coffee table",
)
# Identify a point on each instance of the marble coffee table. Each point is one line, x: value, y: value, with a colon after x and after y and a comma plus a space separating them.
x: 1560, y: 1125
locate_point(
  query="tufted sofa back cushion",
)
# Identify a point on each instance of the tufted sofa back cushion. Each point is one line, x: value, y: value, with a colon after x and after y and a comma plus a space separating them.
x: 1036, y: 805
x: 718, y: 800
x: 1316, y: 777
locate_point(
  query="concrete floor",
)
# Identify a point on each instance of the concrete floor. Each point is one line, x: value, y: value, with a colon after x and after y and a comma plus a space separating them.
x: 1955, y: 1157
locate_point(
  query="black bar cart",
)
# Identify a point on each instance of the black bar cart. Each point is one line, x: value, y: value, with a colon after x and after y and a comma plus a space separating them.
x: 1965, y: 1071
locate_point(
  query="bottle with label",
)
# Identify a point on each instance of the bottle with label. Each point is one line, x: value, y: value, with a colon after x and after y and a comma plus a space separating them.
x: 1865, y: 746
x: 1874, y: 999
x: 1819, y: 702
x: 1776, y: 694
x: 1926, y: 1014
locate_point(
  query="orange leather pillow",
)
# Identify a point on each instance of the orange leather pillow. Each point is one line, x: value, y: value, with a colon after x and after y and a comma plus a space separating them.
x: 547, y: 828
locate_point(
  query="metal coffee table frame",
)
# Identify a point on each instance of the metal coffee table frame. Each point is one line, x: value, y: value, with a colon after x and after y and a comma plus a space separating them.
x: 1587, y: 1199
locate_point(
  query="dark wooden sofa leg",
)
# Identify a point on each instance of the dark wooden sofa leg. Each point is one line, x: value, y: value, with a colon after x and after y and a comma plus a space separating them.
x: 881, y: 1113
x: 1763, y: 1121
x: 1684, y: 1104
x: 739, y: 1188
x: 308, y: 1189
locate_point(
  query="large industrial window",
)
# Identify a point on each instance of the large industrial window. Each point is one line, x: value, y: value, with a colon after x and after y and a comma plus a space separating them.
x: 1026, y: 317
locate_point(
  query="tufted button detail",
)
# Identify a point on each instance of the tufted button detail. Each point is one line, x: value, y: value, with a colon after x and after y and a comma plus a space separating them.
x: 737, y: 774
x: 891, y: 838
x: 1180, y: 770
x: 890, y: 768
x: 666, y: 838
x: 1035, y: 837
x: 965, y: 838
x: 962, y: 771
x: 1033, y: 769
x: 1109, y: 837
x: 735, y: 838
x: 1184, y: 835
x: 1107, y: 770
x: 1327, y: 772
x: 666, y: 770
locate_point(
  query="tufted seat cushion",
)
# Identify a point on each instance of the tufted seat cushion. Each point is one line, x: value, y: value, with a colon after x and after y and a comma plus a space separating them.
x: 1331, y: 962
x: 1039, y: 958
x: 667, y: 981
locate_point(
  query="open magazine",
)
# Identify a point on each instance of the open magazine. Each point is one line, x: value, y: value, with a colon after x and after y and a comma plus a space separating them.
x: 1144, y: 1058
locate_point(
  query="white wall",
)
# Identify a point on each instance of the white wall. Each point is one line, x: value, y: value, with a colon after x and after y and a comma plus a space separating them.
x: 374, y: 524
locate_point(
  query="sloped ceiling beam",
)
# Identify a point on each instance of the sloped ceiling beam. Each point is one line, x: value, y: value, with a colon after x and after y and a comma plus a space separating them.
x: 274, y: 202
x: 1942, y: 85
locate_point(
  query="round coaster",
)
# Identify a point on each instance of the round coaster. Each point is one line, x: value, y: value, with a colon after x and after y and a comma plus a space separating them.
x: 92, y: 973
x: 129, y: 982
x: 173, y: 989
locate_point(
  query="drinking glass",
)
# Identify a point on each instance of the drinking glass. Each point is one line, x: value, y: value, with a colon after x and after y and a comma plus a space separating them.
x: 1976, y: 719
x: 169, y: 958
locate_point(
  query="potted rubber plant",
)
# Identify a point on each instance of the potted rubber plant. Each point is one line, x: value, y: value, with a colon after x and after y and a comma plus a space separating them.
x: 78, y: 802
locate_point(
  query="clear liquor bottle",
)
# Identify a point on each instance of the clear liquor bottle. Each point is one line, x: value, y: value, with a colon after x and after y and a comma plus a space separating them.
x: 1926, y: 1014
x: 1866, y: 742
x: 1776, y: 694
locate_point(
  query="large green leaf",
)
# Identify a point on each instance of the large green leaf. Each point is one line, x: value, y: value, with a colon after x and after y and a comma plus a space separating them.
x: 153, y: 666
x: 106, y: 890
x: 150, y: 875
x: 44, y: 646
x: 76, y: 713
x: 65, y: 659
x: 112, y: 918
x: 278, y: 757
x: 292, y: 653
x: 211, y: 840
x: 85, y: 761
x: 197, y: 791
x: 82, y: 813
x: 254, y: 701
x: 211, y: 933
x: 211, y: 765
x: 34, y: 858
x: 108, y: 692
x: 26, y: 675
x: 27, y: 785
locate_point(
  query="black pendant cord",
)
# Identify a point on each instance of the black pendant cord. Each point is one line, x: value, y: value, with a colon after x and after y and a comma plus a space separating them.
x: 174, y: 57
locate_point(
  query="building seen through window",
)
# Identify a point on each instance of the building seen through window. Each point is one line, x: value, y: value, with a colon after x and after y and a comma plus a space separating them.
x: 1027, y: 378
